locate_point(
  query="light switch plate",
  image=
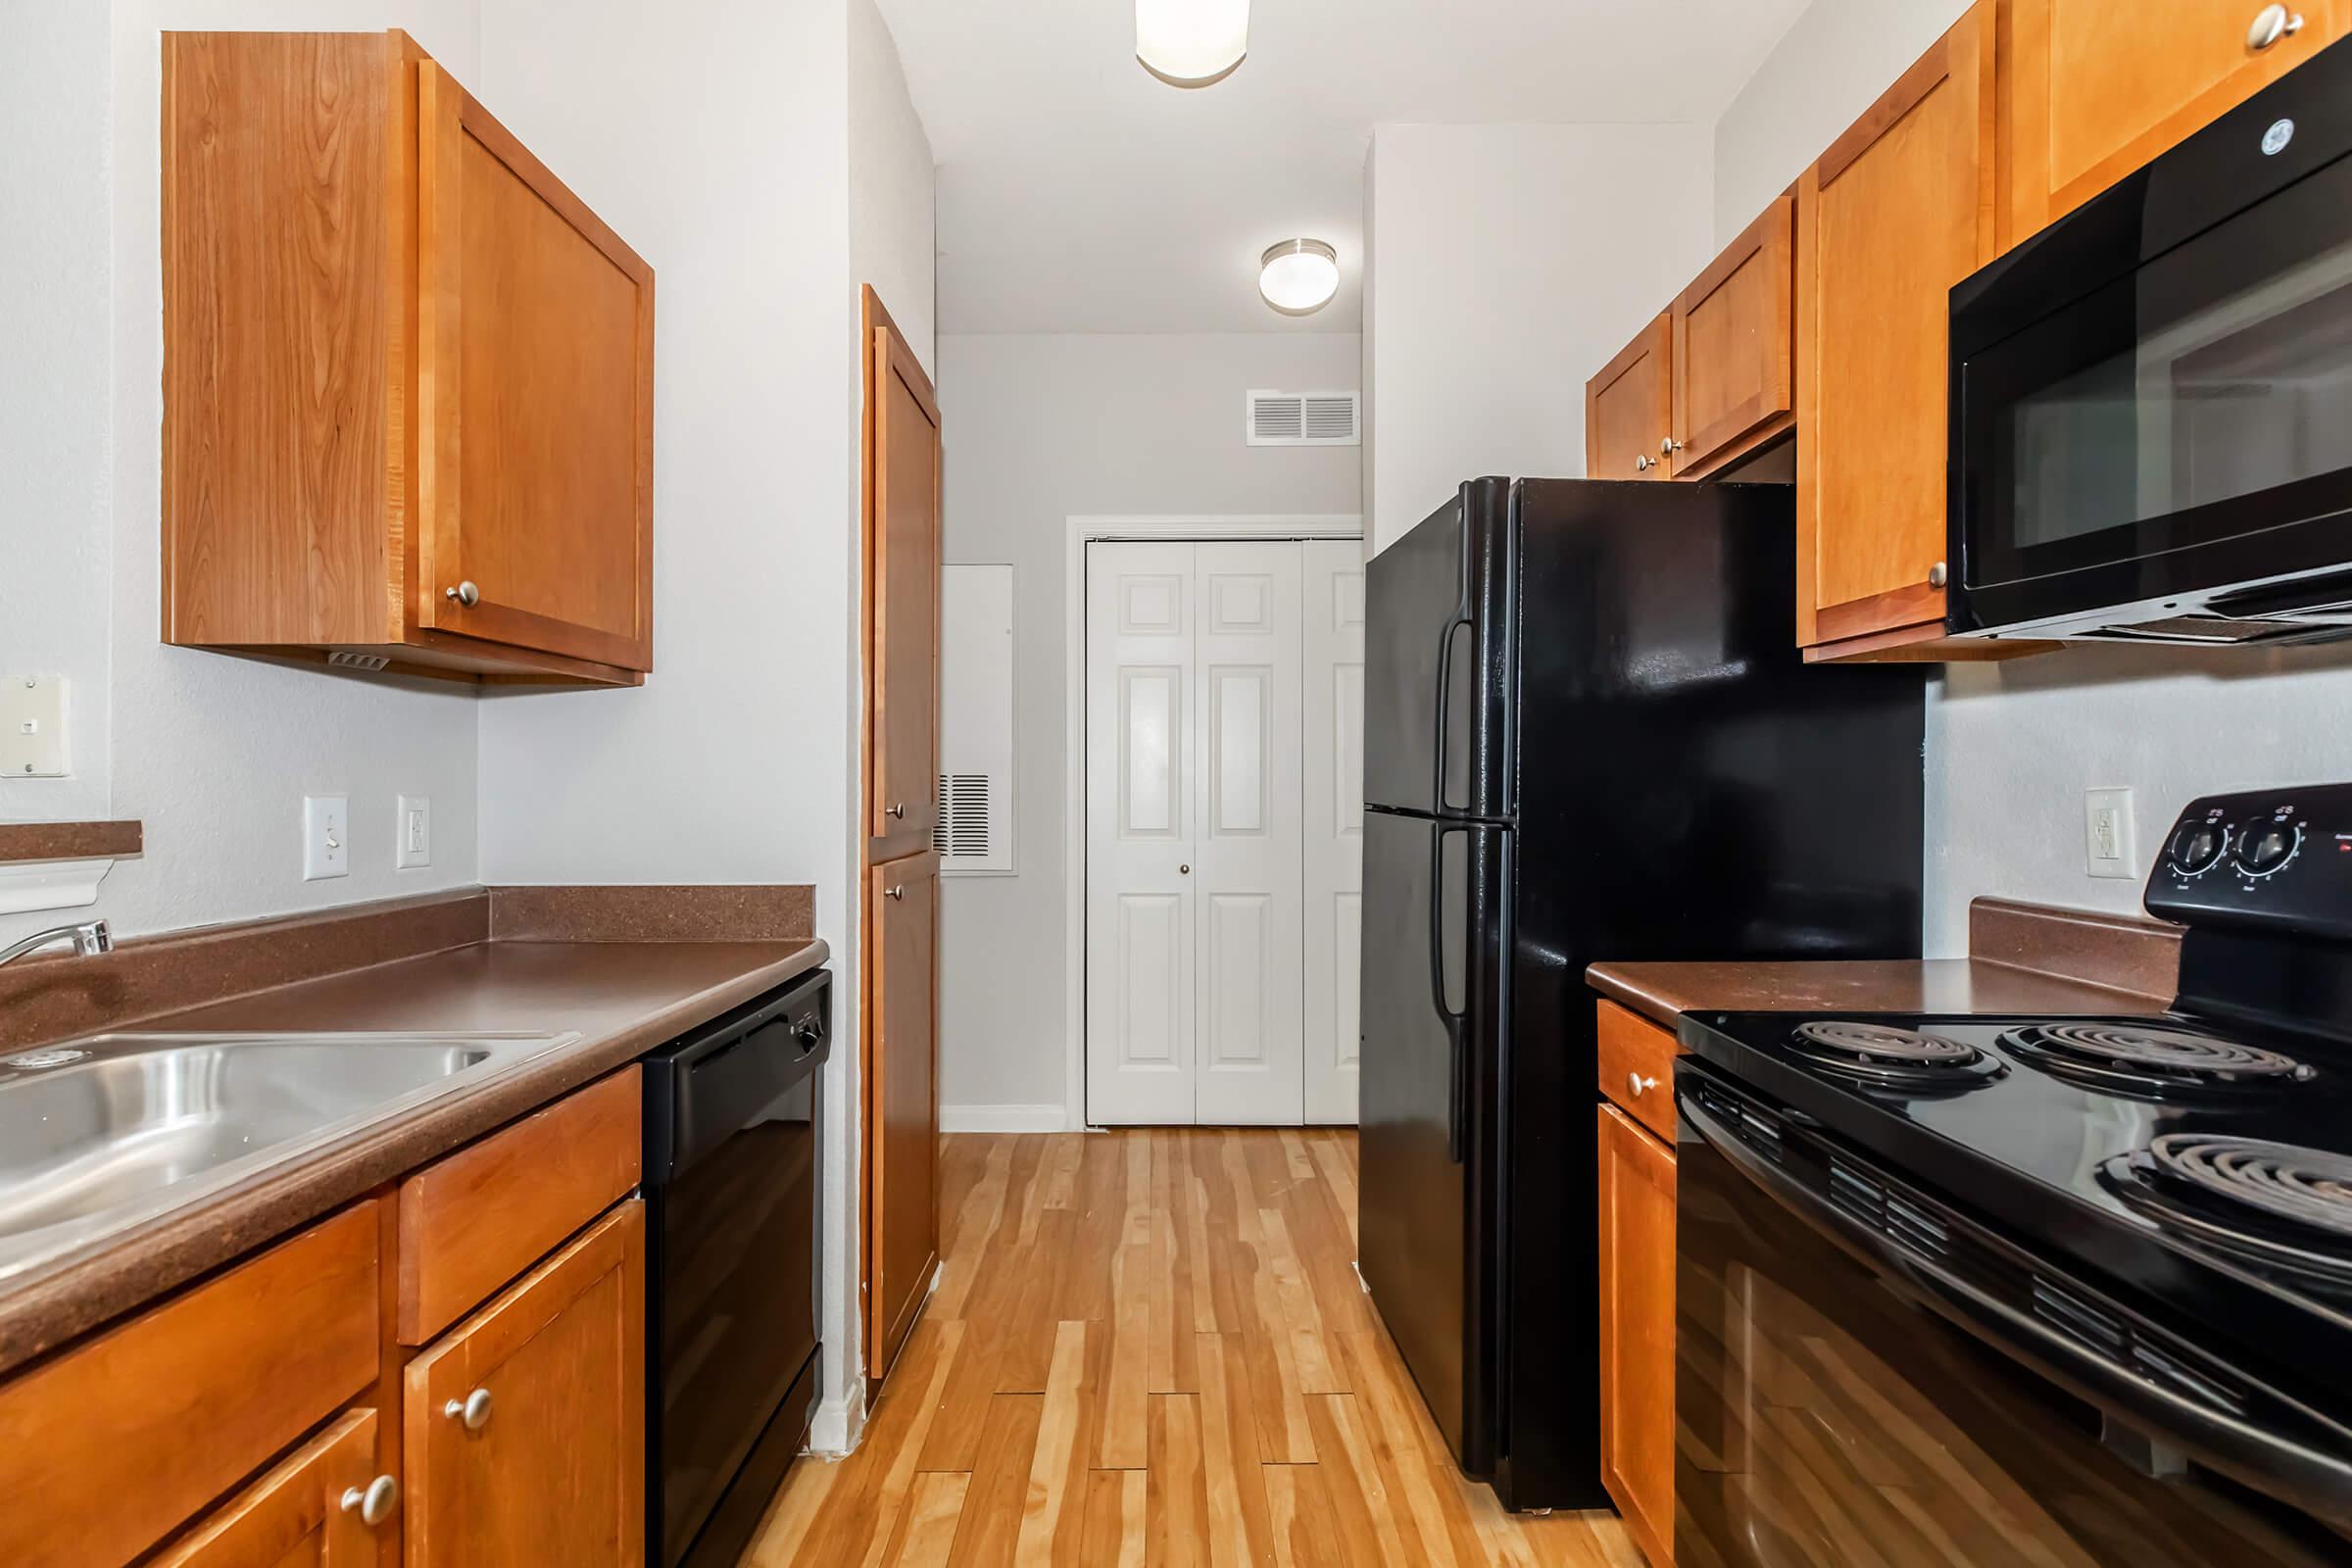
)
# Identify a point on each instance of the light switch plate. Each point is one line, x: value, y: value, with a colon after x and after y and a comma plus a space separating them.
x: 326, y: 836
x: 2109, y: 846
x: 33, y: 726
x: 412, y: 833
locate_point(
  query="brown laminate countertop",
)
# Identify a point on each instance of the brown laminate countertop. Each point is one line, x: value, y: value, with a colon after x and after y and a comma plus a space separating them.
x: 1665, y: 991
x: 623, y: 997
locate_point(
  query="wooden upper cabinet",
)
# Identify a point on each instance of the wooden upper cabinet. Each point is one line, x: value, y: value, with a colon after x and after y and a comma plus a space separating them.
x: 2092, y: 89
x: 1734, y: 346
x: 1897, y: 210
x: 523, y: 1427
x: 1637, y: 1193
x: 903, y: 584
x: 408, y: 375
x: 902, y: 1233
x: 310, y: 1511
x: 1629, y: 408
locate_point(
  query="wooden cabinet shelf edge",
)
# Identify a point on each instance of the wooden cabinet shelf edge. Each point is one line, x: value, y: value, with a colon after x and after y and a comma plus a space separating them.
x: 368, y: 476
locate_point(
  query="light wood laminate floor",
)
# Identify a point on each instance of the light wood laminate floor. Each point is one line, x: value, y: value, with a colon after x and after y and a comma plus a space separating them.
x: 1150, y: 1347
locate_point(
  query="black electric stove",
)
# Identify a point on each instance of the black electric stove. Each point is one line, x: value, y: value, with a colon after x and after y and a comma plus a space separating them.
x: 2102, y: 1265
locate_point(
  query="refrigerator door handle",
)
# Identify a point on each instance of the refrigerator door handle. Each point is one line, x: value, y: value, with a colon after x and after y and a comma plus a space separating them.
x: 1459, y: 619
x: 1457, y: 1063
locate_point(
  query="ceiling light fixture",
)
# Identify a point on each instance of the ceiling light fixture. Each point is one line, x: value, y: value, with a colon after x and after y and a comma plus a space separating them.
x: 1299, y: 276
x: 1191, y: 43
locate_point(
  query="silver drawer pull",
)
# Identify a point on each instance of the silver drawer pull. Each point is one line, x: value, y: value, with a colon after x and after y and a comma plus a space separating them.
x: 1637, y: 1083
x: 374, y: 1502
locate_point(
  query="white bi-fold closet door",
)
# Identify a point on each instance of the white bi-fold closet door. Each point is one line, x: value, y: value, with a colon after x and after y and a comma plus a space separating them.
x: 1224, y: 830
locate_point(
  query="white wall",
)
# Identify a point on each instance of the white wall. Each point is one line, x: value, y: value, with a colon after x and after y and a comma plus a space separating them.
x: 1510, y: 263
x: 213, y: 753
x: 1040, y: 428
x: 2011, y: 747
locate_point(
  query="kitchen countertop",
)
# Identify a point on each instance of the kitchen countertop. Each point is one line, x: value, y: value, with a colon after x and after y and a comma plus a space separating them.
x: 623, y: 997
x: 1664, y: 992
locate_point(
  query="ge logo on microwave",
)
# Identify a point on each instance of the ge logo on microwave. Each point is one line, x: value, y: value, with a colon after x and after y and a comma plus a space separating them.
x: 2274, y: 139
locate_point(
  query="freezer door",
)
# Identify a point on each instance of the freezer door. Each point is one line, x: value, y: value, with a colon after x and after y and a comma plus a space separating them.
x: 1434, y: 935
x: 1439, y: 660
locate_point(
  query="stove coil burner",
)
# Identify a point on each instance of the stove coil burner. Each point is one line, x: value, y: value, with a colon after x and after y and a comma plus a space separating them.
x: 2151, y: 1061
x: 1900, y: 1059
x: 2249, y: 1195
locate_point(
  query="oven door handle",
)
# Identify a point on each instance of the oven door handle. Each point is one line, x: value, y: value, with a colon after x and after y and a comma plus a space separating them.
x: 2319, y: 1482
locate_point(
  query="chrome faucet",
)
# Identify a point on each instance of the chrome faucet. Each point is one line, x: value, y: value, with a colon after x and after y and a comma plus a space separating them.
x: 89, y: 940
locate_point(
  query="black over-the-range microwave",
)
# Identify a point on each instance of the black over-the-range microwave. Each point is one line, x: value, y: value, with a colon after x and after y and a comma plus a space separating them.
x: 2151, y: 400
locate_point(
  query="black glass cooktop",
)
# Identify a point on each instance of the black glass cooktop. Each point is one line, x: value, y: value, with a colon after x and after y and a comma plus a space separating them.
x: 2207, y: 1169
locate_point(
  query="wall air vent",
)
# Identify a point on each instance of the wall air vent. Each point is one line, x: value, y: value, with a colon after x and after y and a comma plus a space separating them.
x: 343, y: 658
x: 1301, y: 420
x: 974, y: 831
x: 963, y: 831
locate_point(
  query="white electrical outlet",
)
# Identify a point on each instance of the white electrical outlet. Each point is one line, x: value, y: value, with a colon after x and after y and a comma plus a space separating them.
x: 326, y: 836
x: 412, y: 833
x: 2109, y: 847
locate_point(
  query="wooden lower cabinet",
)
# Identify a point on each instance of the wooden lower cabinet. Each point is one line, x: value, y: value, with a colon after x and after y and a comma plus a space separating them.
x: 524, y: 1426
x: 313, y: 1511
x: 1636, y: 1330
x: 902, y: 1101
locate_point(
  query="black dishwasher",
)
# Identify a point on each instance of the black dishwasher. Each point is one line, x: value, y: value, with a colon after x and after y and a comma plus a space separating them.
x: 732, y: 1162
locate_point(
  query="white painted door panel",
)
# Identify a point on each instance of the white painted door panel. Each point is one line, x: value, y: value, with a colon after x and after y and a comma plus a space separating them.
x: 1247, y: 848
x: 1333, y: 592
x: 1140, y: 824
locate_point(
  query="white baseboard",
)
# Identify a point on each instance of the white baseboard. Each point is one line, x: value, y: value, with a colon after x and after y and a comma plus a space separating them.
x: 1003, y: 1119
x: 838, y: 1424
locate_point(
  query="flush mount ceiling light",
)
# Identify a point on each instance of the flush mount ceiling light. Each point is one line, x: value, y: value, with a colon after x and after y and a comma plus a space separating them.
x: 1191, y: 43
x: 1299, y: 276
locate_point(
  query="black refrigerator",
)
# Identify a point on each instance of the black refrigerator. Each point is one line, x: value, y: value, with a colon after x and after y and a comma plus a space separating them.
x: 1588, y: 735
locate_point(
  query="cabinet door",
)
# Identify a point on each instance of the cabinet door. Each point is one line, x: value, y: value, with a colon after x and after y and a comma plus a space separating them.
x: 1897, y: 210
x: 550, y: 1468
x: 1636, y: 1330
x: 1629, y: 408
x: 902, y: 1103
x: 2093, y: 89
x: 1734, y: 344
x: 298, y: 1517
x: 902, y: 552
x: 535, y: 393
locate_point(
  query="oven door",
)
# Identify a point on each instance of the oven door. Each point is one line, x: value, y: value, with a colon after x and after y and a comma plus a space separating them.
x: 1855, y: 1383
x: 2146, y: 413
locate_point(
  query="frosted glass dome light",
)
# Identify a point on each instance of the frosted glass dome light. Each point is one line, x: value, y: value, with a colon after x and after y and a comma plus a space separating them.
x: 1191, y: 43
x: 1299, y: 276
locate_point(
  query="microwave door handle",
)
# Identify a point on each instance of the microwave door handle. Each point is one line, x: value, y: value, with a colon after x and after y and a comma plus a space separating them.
x: 2319, y: 1482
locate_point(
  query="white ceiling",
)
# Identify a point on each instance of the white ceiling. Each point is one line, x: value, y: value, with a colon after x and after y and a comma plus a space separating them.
x: 1079, y: 194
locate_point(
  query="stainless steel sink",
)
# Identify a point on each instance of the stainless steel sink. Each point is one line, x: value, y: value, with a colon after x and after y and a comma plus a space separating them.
x: 101, y: 1134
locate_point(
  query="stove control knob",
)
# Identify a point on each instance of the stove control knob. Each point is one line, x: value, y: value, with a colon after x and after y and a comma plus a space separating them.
x: 2196, y: 846
x: 2265, y: 846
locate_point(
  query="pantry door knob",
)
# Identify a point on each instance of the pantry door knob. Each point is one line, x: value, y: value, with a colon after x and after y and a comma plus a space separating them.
x: 2269, y: 24
x: 898, y: 808
x: 465, y: 593
x: 898, y: 892
x: 374, y: 1502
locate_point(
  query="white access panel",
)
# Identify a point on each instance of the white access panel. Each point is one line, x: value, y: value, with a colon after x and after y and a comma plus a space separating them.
x: 974, y: 833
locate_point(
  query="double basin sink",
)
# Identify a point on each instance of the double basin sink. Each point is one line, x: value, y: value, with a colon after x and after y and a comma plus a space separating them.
x: 103, y: 1133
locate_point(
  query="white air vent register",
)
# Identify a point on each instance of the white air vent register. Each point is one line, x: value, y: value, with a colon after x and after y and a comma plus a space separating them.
x: 1301, y: 420
x: 974, y: 832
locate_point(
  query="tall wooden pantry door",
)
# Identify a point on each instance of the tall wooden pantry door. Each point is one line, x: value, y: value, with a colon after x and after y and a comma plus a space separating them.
x: 898, y: 1230
x: 1202, y: 943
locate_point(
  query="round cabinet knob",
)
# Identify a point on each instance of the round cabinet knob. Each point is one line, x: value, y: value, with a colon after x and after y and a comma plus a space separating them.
x: 1668, y: 446
x: 374, y: 1501
x: 1938, y: 575
x: 898, y: 808
x: 2265, y: 846
x: 465, y: 593
x: 2269, y: 24
x: 1643, y: 463
x: 897, y: 891
x: 474, y: 1410
x: 1637, y: 1083
x: 2196, y: 846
